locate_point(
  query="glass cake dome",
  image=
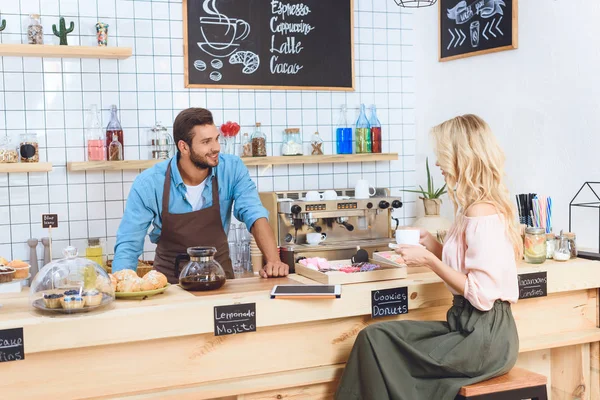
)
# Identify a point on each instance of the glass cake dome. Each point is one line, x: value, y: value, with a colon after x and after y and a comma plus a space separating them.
x: 71, y: 285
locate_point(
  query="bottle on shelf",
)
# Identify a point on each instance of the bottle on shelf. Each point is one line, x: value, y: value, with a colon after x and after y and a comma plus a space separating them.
x: 246, y: 146
x: 96, y: 143
x: 114, y: 128
x: 35, y: 30
x: 115, y: 149
x: 343, y: 134
x: 375, y: 131
x: 259, y: 142
x: 316, y: 145
x: 362, y: 133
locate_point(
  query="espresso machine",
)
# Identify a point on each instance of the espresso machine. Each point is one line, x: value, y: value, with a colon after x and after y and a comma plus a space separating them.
x: 346, y: 222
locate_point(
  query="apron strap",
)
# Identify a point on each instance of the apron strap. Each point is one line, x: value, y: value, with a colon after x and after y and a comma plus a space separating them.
x: 215, y: 192
x: 166, y: 192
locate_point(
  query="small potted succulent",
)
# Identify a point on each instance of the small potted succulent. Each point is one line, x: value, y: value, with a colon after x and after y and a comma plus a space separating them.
x: 431, y: 196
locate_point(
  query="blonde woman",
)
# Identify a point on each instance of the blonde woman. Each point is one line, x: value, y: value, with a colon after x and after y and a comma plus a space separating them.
x: 424, y: 360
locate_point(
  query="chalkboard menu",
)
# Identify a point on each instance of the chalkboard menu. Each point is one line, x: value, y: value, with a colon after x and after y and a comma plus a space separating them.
x: 268, y: 44
x: 473, y: 27
x: 237, y: 318
x: 388, y: 302
x: 533, y: 285
x: 11, y: 345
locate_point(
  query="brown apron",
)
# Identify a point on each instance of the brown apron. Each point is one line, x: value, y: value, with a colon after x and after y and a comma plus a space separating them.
x: 197, y: 228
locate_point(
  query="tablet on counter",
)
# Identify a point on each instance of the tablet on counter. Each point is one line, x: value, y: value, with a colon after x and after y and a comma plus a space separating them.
x: 306, y: 292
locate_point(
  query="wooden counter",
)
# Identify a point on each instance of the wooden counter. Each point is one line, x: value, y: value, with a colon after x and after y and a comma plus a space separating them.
x: 164, y: 347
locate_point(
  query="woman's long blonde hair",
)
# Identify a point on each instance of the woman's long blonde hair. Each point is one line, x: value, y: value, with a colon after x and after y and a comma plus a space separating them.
x: 469, y: 154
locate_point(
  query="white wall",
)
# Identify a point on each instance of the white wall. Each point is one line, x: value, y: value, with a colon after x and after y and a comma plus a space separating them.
x: 541, y: 100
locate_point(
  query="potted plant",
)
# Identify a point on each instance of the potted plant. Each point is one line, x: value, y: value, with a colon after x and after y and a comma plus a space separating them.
x: 431, y: 196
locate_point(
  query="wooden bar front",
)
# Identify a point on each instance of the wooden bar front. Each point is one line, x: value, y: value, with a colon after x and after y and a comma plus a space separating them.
x: 164, y: 347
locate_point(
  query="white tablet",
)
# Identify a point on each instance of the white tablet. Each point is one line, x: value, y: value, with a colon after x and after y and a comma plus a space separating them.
x: 307, y: 291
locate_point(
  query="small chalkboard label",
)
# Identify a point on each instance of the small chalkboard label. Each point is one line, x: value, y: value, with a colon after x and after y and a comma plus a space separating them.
x: 237, y: 318
x: 11, y: 345
x: 388, y: 302
x: 49, y: 220
x: 533, y: 285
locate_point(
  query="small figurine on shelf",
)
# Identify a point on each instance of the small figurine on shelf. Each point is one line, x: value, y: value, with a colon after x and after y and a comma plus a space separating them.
x: 230, y: 131
x: 63, y: 31
x: 102, y: 34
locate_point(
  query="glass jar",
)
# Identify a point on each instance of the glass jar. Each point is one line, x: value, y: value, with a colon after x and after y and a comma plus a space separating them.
x: 534, y: 247
x: 246, y: 146
x: 115, y: 149
x: 316, y: 145
x: 562, y: 251
x: 35, y: 30
x: 162, y: 142
x: 292, y: 142
x: 28, y: 147
x: 572, y: 238
x: 8, y: 151
x: 94, y: 251
x: 550, y: 245
x: 71, y: 285
x: 259, y: 142
x: 202, y: 272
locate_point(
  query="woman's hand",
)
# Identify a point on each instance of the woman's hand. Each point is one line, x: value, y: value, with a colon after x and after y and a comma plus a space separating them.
x: 424, y: 236
x: 415, y: 256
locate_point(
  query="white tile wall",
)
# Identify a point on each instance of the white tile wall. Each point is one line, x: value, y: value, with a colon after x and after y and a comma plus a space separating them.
x: 49, y: 97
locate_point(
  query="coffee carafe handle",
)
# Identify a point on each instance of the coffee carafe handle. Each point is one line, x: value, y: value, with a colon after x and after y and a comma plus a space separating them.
x: 373, y: 189
x: 178, y: 259
x: 246, y: 31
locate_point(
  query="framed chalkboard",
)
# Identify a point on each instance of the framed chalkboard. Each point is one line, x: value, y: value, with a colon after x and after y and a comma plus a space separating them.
x: 474, y: 27
x: 269, y: 44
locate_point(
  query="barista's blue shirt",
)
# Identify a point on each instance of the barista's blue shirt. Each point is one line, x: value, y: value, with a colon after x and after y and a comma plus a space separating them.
x: 144, y: 204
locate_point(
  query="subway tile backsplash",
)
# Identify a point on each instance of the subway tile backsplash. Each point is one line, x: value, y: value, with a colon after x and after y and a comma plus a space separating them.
x: 50, y: 96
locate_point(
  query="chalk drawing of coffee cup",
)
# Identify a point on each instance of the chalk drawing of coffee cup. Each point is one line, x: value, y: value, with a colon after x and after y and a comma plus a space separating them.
x: 222, y: 35
x: 474, y: 27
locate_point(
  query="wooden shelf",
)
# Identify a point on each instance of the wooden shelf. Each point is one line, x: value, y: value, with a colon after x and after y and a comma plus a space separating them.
x: 249, y: 161
x: 56, y: 51
x: 26, y: 167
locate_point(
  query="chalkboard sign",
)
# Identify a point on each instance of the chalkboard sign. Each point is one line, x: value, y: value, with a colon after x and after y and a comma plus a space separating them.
x: 11, y: 345
x: 237, y: 318
x: 533, y: 285
x: 473, y: 27
x: 268, y: 44
x: 49, y: 221
x: 388, y: 302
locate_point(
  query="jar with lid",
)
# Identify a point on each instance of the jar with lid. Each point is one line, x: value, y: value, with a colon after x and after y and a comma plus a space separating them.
x: 28, y: 147
x: 71, y: 285
x: 562, y: 251
x: 572, y: 238
x: 246, y: 146
x: 35, y: 31
x: 316, y: 145
x: 94, y: 251
x: 534, y: 248
x: 162, y: 142
x: 292, y: 142
x: 259, y: 142
x: 550, y: 245
x: 8, y: 150
x: 202, y: 272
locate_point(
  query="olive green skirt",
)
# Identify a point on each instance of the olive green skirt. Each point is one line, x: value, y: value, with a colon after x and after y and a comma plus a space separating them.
x: 430, y: 360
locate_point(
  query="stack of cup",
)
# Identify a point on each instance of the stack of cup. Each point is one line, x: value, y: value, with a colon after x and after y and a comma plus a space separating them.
x: 255, y: 256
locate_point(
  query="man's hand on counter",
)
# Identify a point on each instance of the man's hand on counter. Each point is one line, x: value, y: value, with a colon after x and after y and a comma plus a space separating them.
x: 274, y: 269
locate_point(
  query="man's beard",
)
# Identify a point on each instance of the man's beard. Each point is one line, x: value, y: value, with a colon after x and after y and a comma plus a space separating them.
x: 199, y: 161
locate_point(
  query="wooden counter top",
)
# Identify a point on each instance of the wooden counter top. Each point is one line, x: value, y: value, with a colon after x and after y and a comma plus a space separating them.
x: 180, y: 313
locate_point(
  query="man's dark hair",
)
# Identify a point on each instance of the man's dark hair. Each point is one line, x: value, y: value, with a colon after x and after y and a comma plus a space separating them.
x: 187, y: 120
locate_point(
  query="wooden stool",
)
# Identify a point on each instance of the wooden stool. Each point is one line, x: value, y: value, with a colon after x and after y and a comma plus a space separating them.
x: 517, y: 384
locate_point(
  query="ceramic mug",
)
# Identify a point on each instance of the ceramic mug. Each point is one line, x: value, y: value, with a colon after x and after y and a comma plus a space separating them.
x: 313, y: 195
x: 330, y: 195
x: 315, y: 238
x: 408, y: 236
x: 363, y: 190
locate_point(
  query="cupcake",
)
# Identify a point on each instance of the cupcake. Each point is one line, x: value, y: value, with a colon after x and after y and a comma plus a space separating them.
x: 21, y: 268
x: 72, y: 302
x: 7, y: 274
x: 92, y: 297
x: 52, y: 300
x: 72, y: 292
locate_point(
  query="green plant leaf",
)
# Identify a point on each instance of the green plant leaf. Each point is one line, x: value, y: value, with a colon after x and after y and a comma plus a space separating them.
x: 415, y: 191
x: 429, y: 180
x: 440, y: 191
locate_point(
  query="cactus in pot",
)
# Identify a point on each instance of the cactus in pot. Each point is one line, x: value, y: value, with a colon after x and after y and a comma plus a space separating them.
x: 63, y: 31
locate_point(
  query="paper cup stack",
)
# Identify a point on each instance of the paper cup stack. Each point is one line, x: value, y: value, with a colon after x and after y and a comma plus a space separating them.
x: 256, y: 257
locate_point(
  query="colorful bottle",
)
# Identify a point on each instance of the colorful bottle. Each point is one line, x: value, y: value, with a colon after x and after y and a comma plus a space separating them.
x: 362, y: 133
x: 375, y: 131
x: 114, y: 128
x: 343, y: 134
x: 96, y: 144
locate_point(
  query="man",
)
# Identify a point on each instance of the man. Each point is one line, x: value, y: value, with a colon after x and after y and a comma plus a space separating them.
x: 189, y: 198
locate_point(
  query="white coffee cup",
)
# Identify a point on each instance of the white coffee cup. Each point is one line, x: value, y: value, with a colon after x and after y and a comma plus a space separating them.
x: 408, y: 236
x: 315, y: 238
x: 362, y: 189
x: 313, y: 195
x: 330, y: 195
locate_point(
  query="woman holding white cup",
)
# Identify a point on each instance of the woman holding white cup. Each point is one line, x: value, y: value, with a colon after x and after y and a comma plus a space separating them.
x: 479, y: 340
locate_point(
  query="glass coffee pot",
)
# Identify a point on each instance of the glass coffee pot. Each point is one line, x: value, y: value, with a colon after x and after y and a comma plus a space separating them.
x: 202, y: 272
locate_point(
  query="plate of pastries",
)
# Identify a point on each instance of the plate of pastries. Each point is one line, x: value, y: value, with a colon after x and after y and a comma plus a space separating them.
x: 14, y: 270
x: 127, y: 284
